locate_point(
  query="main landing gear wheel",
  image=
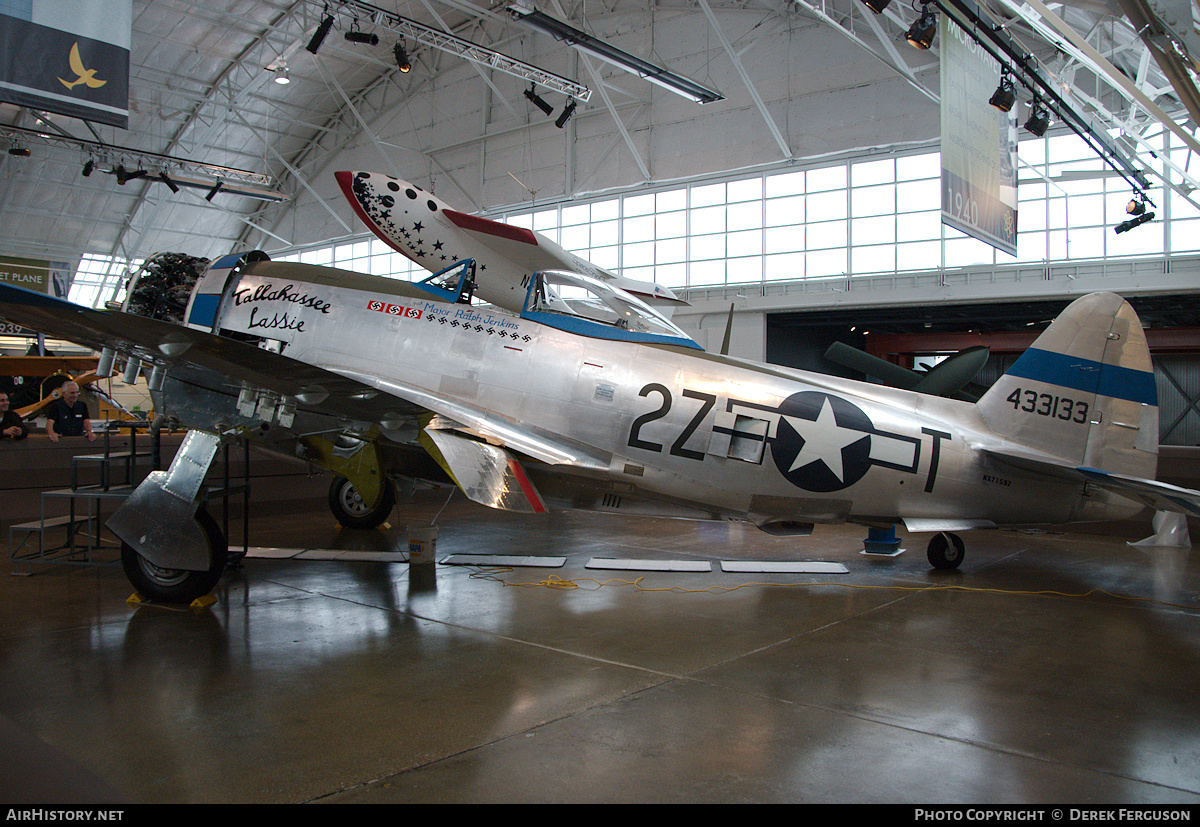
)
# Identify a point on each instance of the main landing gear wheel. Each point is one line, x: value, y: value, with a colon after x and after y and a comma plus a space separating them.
x: 178, y: 585
x: 350, y: 509
x: 946, y: 551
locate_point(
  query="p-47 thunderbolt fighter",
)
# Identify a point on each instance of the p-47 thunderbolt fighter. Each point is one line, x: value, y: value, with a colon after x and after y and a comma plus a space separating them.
x: 589, y: 399
x: 503, y: 257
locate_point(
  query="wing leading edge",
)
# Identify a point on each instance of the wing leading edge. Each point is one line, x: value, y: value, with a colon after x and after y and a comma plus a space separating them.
x: 165, y: 344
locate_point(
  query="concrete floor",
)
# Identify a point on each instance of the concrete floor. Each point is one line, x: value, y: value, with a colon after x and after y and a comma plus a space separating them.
x: 1054, y: 667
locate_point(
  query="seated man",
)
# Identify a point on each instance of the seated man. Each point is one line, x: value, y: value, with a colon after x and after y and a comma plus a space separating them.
x: 11, y: 425
x: 68, y: 415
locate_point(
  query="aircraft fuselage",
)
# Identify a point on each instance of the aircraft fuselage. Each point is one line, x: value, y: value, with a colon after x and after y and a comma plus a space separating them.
x: 691, y: 433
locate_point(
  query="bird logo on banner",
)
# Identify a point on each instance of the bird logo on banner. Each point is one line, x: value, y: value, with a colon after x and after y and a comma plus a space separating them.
x: 83, y: 75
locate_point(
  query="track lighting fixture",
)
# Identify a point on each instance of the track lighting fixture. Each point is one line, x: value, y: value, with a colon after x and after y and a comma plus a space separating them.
x: 88, y: 166
x: 876, y: 6
x: 355, y: 36
x: 281, y: 76
x: 124, y: 176
x: 215, y: 189
x: 319, y: 36
x: 166, y: 179
x: 538, y: 102
x: 1039, y: 119
x: 920, y: 33
x: 19, y: 151
x: 523, y: 10
x: 1005, y: 95
x: 402, y: 61
x: 1126, y: 226
x: 566, y: 114
x: 1135, y: 207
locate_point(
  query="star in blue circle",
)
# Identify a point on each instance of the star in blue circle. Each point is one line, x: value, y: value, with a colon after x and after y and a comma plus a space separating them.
x: 822, y: 442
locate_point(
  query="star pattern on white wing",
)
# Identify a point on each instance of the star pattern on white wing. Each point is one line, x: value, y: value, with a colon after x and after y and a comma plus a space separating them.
x: 824, y: 440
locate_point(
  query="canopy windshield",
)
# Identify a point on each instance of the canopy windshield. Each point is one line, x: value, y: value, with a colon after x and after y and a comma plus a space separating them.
x: 582, y: 304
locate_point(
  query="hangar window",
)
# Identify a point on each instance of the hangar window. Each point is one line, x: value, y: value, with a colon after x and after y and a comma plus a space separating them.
x: 865, y: 217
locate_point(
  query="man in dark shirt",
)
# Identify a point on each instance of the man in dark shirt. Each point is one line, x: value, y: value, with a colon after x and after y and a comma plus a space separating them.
x: 11, y: 425
x: 68, y: 416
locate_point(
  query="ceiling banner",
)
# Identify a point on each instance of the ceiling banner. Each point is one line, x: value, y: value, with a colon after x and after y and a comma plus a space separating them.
x: 67, y: 56
x: 979, y: 143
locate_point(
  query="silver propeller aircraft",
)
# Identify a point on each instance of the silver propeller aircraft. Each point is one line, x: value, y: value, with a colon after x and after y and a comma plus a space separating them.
x: 588, y: 398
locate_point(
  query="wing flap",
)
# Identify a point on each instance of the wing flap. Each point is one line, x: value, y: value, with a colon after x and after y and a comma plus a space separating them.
x: 487, y: 474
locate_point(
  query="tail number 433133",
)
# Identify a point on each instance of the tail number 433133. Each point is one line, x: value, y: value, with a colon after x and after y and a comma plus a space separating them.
x: 1044, y: 404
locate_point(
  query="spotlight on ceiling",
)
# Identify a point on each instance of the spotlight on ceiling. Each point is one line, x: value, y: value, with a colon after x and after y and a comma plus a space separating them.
x: 402, y: 61
x: 355, y: 36
x: 319, y: 35
x: 124, y: 176
x: 920, y: 33
x: 88, y: 166
x: 567, y: 112
x: 538, y: 102
x: 1126, y: 226
x: 876, y: 6
x: 166, y: 179
x: 1039, y: 119
x: 281, y: 76
x: 19, y: 151
x: 1136, y: 206
x: 215, y: 189
x: 1005, y: 95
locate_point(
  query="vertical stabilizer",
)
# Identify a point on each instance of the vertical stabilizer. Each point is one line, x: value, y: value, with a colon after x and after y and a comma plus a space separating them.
x: 1084, y: 392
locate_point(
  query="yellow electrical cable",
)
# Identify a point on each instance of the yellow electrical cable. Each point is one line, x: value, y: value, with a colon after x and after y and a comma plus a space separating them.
x: 556, y: 582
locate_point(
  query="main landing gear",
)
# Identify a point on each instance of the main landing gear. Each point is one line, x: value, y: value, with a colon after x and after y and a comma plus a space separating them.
x: 945, y: 551
x: 352, y: 511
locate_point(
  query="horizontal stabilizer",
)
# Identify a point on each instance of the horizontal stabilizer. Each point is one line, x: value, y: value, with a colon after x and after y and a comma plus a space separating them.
x: 1160, y: 496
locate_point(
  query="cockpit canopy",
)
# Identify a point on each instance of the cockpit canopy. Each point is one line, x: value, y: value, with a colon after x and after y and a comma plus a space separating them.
x: 585, y: 305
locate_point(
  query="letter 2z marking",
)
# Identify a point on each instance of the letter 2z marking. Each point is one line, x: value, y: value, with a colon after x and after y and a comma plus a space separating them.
x: 707, y: 401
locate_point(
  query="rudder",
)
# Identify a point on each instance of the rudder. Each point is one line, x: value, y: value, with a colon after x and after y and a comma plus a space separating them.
x: 1084, y: 392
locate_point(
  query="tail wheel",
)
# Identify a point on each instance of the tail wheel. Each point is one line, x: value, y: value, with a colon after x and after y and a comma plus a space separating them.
x: 946, y: 551
x: 352, y: 511
x: 178, y: 585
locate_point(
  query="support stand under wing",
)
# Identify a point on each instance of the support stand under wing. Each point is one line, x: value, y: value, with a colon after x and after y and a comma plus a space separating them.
x: 158, y: 519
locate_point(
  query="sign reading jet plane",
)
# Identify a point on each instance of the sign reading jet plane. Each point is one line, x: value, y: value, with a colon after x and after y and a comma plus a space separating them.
x: 585, y: 397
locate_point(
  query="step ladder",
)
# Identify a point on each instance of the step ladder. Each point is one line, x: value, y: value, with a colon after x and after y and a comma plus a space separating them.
x: 78, y: 524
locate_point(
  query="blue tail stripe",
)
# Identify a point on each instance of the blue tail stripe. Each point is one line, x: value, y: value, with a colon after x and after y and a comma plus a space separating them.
x: 1087, y: 375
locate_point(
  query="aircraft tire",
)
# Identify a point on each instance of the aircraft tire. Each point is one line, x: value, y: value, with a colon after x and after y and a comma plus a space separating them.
x: 946, y: 551
x: 177, y: 585
x: 350, y: 510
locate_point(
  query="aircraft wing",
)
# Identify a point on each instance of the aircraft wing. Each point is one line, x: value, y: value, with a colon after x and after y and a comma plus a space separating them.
x: 164, y: 343
x: 516, y: 243
x: 550, y: 448
x: 535, y: 252
x: 1160, y: 496
x: 488, y: 471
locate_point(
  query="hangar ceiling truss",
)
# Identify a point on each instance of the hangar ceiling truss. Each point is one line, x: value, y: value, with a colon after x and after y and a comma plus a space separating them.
x: 202, y: 91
